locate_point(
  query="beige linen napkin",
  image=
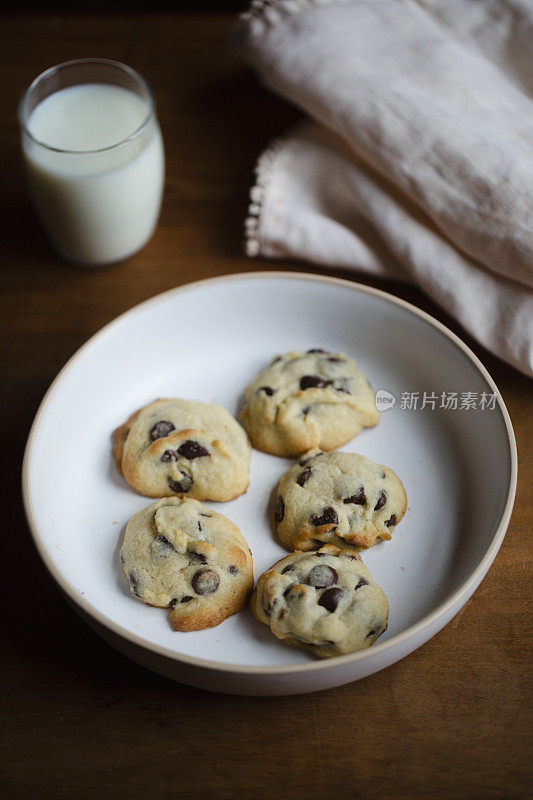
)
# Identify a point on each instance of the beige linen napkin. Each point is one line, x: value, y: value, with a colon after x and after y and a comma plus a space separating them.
x: 420, y: 162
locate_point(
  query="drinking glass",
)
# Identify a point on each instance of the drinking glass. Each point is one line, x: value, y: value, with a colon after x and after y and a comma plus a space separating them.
x: 94, y: 159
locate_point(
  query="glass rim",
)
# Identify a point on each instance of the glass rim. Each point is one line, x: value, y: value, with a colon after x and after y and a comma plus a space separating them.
x: 78, y: 61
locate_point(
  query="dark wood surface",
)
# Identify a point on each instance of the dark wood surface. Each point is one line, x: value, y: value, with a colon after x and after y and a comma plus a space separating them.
x: 79, y: 720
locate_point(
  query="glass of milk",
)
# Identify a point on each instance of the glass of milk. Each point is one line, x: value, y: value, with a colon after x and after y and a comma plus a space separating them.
x: 94, y: 159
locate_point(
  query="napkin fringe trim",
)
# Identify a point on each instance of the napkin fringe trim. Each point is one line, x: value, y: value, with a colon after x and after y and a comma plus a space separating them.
x: 270, y: 9
x: 260, y: 8
x: 263, y: 173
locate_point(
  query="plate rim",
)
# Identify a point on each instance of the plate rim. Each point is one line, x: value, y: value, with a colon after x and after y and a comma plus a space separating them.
x: 410, y: 634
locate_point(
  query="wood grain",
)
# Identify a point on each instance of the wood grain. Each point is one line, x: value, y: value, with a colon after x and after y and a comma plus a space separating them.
x: 452, y: 720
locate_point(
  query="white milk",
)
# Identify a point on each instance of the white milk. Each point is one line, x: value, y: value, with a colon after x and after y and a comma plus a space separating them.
x: 98, y: 205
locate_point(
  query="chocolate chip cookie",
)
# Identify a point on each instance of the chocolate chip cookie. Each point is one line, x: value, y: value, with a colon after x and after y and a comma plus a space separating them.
x: 183, y: 447
x: 178, y: 554
x: 337, y: 498
x: 325, y: 602
x: 305, y: 400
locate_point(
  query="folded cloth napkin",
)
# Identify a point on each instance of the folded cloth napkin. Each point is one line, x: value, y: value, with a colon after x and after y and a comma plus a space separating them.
x: 419, y: 164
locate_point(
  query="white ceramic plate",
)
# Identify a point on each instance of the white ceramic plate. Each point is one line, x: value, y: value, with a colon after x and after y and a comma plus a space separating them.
x: 206, y: 341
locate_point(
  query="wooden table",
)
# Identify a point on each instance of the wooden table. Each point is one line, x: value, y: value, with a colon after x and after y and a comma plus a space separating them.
x: 80, y: 720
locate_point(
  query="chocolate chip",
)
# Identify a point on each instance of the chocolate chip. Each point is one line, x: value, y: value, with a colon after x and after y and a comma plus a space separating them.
x: 287, y: 568
x: 173, y: 603
x: 280, y: 509
x: 162, y: 547
x: 335, y: 359
x: 199, y: 525
x: 362, y: 582
x: 304, y: 476
x: 313, y: 381
x: 317, y: 350
x: 322, y: 576
x: 135, y: 582
x: 319, y: 555
x: 328, y: 517
x: 358, y: 499
x: 160, y: 429
x: 269, y: 606
x: 352, y: 557
x: 382, y: 499
x: 331, y: 598
x: 268, y: 390
x: 198, y: 557
x: 343, y: 385
x: 186, y: 598
x: 205, y: 515
x: 378, y: 629
x: 383, y: 474
x: 390, y: 522
x: 169, y: 455
x: 191, y: 449
x: 182, y: 485
x: 205, y: 581
x: 305, y: 411
x: 288, y: 591
x: 232, y: 570
x: 304, y: 460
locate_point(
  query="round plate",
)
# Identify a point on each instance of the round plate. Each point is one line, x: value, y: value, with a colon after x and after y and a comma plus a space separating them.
x: 207, y: 341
